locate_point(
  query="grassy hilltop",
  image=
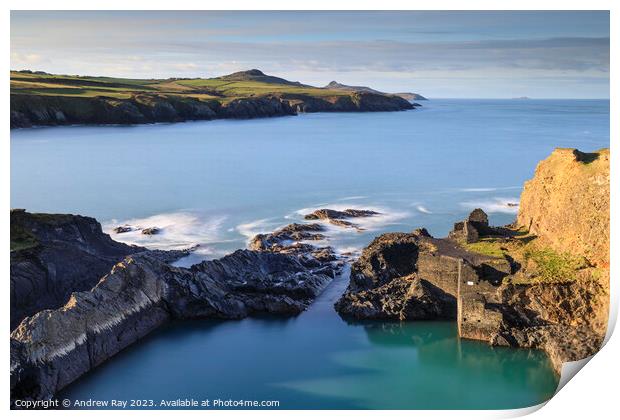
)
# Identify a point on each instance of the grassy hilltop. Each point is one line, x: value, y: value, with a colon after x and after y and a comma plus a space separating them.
x: 234, y: 86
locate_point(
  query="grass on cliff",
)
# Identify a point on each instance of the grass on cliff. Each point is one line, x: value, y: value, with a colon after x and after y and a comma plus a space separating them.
x: 487, y: 246
x: 538, y: 263
x: 498, y: 247
x: 219, y: 88
x: 22, y: 239
x: 552, y: 266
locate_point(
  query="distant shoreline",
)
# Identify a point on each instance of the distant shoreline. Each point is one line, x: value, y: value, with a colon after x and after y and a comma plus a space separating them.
x: 41, y: 99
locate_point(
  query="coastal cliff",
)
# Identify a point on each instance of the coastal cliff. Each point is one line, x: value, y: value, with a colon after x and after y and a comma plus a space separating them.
x: 522, y: 286
x: 566, y: 204
x: 53, y: 255
x: 41, y: 99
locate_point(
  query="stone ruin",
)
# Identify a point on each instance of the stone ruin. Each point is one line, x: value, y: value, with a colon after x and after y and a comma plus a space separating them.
x: 471, y: 229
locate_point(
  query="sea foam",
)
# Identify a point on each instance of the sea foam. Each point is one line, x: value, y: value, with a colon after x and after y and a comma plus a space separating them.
x: 178, y: 230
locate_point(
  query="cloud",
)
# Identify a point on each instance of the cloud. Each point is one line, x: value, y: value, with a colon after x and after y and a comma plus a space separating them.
x: 313, y: 47
x: 21, y: 59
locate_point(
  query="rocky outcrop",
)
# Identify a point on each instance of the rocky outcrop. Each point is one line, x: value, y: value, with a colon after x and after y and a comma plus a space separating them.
x: 411, y: 96
x: 339, y: 218
x: 354, y: 102
x: 53, y: 347
x: 151, y: 231
x: 53, y: 255
x: 294, y: 239
x: 560, y: 318
x: 413, y: 276
x: 333, y: 85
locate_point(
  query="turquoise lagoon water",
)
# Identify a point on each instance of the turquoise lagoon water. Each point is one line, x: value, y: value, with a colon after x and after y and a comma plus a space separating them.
x: 218, y: 183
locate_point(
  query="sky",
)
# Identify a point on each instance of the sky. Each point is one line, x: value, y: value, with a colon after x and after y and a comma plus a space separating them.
x: 442, y: 54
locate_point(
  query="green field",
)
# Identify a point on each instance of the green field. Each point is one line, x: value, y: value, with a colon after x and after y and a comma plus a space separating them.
x: 224, y: 89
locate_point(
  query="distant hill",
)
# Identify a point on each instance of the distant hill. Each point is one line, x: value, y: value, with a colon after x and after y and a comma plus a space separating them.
x: 411, y: 96
x: 340, y: 86
x: 256, y: 75
x: 405, y: 95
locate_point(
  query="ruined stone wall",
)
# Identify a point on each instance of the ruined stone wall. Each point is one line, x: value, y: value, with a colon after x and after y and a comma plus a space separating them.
x: 440, y: 270
x: 477, y: 299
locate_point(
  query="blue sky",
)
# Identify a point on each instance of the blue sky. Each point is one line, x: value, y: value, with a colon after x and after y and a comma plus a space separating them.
x: 468, y: 54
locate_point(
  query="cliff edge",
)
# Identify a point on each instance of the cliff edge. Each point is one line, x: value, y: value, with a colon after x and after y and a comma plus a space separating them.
x: 566, y: 204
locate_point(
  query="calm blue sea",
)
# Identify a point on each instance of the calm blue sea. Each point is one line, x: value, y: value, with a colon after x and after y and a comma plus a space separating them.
x: 218, y: 183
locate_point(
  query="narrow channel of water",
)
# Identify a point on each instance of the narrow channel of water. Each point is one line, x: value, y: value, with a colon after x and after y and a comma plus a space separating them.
x: 317, y: 360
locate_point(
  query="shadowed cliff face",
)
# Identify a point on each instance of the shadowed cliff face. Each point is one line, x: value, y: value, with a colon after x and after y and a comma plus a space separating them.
x: 33, y: 110
x: 53, y: 255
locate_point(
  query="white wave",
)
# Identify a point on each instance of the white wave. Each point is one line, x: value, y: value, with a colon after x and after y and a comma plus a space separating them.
x: 494, y: 205
x: 353, y: 197
x: 349, y: 250
x: 253, y: 228
x: 178, y: 230
x: 423, y: 209
x: 487, y: 189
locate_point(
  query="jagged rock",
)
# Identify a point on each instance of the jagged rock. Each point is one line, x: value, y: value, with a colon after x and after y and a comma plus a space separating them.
x: 327, y: 214
x: 337, y: 217
x: 287, y: 240
x: 565, y: 318
x: 560, y: 318
x: 292, y: 232
x: 122, y: 229
x: 403, y: 298
x: 151, y: 231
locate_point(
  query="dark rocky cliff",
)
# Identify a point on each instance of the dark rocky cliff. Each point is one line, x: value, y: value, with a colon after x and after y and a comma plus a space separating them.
x: 35, y: 110
x: 53, y: 255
